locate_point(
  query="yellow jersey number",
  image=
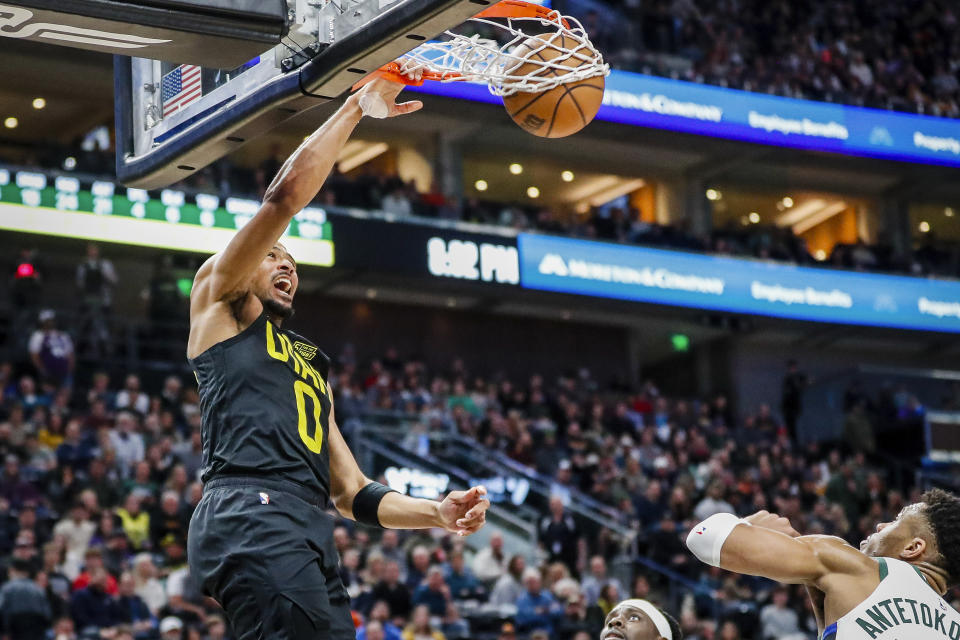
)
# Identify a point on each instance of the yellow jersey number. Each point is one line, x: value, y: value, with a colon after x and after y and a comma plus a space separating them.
x: 303, y: 391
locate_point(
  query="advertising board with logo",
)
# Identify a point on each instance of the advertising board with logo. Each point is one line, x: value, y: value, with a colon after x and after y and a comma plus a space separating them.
x: 737, y: 285
x: 367, y: 242
x: 637, y: 99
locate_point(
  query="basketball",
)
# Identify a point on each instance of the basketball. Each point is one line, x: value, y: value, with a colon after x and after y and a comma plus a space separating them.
x: 563, y: 110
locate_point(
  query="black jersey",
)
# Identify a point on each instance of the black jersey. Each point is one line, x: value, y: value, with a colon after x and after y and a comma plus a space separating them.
x: 265, y: 408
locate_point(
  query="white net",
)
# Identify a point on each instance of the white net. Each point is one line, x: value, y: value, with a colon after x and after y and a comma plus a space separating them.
x: 503, y: 64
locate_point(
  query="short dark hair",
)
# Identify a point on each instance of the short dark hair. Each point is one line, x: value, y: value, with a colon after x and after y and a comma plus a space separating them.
x: 22, y: 565
x: 943, y: 512
x: 674, y: 625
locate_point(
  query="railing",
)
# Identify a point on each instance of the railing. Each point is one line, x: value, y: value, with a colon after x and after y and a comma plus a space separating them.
x: 110, y: 342
x: 376, y: 448
x: 461, y: 453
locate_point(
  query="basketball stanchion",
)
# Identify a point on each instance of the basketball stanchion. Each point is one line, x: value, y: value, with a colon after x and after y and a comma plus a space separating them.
x: 542, y: 64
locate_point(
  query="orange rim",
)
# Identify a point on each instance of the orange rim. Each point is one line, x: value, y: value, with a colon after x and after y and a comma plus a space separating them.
x: 518, y: 9
x: 502, y: 9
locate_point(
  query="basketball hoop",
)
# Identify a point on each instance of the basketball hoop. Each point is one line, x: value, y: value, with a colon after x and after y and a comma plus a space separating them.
x: 475, y: 59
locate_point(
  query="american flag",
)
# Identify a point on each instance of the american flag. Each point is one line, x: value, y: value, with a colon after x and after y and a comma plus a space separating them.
x: 180, y: 87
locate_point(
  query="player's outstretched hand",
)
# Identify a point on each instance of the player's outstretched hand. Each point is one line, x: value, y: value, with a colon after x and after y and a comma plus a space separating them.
x: 378, y: 98
x: 773, y: 521
x: 464, y: 512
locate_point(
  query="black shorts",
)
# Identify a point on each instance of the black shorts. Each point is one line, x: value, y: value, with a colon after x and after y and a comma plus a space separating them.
x: 265, y: 552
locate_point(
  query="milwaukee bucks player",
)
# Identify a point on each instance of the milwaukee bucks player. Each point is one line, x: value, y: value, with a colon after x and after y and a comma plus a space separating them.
x: 261, y: 540
x: 892, y: 588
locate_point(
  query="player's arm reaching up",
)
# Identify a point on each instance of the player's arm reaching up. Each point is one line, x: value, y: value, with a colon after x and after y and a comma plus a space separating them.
x: 359, y: 498
x: 224, y: 277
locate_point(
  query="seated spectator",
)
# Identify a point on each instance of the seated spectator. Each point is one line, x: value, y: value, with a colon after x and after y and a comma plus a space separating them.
x: 373, y: 630
x: 490, y: 562
x: 610, y: 595
x: 93, y: 607
x: 651, y: 506
x: 64, y: 629
x: 509, y: 587
x: 171, y: 628
x: 24, y: 610
x: 380, y: 615
x: 168, y: 518
x: 536, y: 607
x: 133, y: 609
x: 216, y: 627
x: 419, y: 563
x: 713, y: 502
x: 777, y: 620
x: 463, y: 584
x: 116, y: 552
x: 190, y: 453
x: 577, y: 618
x: 420, y: 627
x: 142, y: 483
x: 15, y: 489
x: 135, y: 521
x: 146, y: 584
x: 103, y: 482
x: 59, y: 586
x: 349, y: 572
x: 77, y: 530
x: 77, y: 450
x: 434, y: 593
x: 393, y: 592
x: 126, y: 442
x: 454, y: 627
x: 93, y: 562
x: 389, y: 548
x: 131, y: 397
x: 597, y: 579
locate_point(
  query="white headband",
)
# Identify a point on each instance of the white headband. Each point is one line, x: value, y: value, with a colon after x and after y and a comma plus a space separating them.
x: 658, y: 619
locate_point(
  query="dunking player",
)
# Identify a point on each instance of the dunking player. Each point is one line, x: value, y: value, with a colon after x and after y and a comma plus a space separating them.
x: 637, y: 619
x: 891, y: 588
x: 260, y: 541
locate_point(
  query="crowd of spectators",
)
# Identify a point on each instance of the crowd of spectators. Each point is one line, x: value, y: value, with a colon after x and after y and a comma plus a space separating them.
x: 903, y: 55
x: 101, y: 474
x: 625, y: 224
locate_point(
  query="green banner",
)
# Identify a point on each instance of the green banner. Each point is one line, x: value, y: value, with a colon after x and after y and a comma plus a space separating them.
x: 35, y: 202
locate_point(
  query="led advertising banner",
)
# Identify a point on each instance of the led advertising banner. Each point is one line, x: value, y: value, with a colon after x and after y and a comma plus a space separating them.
x: 67, y: 206
x: 403, y: 246
x: 647, y: 101
x: 657, y: 276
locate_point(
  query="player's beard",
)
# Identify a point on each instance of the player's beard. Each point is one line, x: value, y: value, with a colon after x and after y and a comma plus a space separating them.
x: 278, y: 309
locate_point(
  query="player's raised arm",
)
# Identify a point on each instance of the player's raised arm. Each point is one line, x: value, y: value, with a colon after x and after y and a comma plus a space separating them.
x: 769, y: 549
x: 295, y: 185
x: 359, y: 498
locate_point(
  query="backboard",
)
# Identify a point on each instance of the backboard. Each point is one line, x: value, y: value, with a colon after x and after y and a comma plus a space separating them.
x: 173, y: 119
